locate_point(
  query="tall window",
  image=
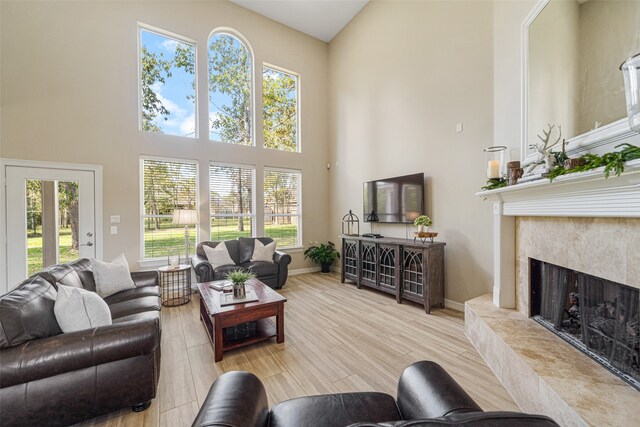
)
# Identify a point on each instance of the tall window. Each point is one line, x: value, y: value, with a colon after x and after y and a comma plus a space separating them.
x: 167, y: 185
x: 229, y: 90
x: 282, y: 206
x: 167, y: 84
x: 231, y: 190
x: 280, y: 109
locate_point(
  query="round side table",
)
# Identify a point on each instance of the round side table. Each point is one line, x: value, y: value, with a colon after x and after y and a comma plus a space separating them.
x: 175, y: 285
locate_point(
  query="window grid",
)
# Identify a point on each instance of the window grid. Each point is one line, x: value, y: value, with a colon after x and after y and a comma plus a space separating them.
x: 230, y: 78
x: 282, y: 206
x: 280, y: 109
x: 167, y: 185
x: 167, y: 83
x: 231, y: 196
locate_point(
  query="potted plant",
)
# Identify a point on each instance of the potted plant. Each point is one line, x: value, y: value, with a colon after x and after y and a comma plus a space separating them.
x: 323, y: 254
x: 238, y: 278
x: 421, y: 222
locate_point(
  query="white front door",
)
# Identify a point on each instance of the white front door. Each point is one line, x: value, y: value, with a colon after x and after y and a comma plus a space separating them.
x: 50, y: 218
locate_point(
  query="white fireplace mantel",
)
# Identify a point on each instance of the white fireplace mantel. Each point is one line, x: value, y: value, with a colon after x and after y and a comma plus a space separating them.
x: 583, y: 194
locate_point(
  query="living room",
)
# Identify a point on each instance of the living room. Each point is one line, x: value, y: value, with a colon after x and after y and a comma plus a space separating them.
x: 405, y: 87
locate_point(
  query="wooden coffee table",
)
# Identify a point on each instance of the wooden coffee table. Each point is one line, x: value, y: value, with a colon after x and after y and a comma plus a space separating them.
x: 216, y: 318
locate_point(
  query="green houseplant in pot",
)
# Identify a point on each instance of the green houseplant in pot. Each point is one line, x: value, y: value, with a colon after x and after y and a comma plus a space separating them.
x: 238, y: 278
x: 323, y: 254
x: 422, y: 222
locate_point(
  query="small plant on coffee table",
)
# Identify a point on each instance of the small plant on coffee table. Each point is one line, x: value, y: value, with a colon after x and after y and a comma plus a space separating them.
x: 323, y: 254
x: 238, y: 278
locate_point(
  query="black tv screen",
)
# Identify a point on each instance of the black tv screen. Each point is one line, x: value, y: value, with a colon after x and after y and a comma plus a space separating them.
x: 399, y: 199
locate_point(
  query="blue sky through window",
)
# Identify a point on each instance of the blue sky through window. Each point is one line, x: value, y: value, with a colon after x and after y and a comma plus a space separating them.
x: 177, y: 93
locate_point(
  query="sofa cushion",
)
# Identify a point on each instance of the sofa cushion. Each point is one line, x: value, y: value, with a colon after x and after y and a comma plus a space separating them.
x: 219, y: 255
x: 77, y: 309
x: 245, y: 250
x: 112, y: 277
x: 472, y: 419
x: 129, y: 294
x: 335, y: 410
x: 262, y: 252
x: 138, y: 305
x: 26, y: 312
x: 88, y: 283
x: 67, y: 274
x: 220, y: 273
x: 261, y: 268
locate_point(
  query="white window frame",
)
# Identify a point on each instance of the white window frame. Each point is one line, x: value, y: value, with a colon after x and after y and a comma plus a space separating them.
x: 298, y: 106
x: 252, y: 93
x: 298, y: 243
x: 145, y: 262
x: 180, y: 38
x: 253, y: 215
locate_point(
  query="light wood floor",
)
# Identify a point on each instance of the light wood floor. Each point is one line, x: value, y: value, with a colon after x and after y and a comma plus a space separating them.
x: 337, y: 339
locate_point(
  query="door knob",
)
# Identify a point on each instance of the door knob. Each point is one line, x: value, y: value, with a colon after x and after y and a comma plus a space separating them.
x: 87, y: 244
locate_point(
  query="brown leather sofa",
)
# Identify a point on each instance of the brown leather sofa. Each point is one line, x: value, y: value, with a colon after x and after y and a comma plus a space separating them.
x: 273, y: 274
x: 52, y: 378
x: 427, y: 396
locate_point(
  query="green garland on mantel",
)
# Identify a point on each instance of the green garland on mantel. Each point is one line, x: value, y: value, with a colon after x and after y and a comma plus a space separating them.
x: 494, y: 183
x: 613, y: 162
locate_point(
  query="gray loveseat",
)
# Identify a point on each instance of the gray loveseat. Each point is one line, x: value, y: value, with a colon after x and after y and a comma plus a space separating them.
x: 273, y: 274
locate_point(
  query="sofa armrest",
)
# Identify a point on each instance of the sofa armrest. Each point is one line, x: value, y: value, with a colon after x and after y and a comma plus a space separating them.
x: 202, y: 267
x: 46, y: 357
x: 236, y: 399
x: 145, y: 278
x: 426, y: 390
x: 283, y: 260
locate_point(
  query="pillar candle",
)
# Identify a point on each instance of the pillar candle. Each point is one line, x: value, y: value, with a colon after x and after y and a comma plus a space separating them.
x: 493, y: 169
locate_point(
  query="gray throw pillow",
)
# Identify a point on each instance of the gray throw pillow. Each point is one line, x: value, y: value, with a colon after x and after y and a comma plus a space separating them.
x: 77, y: 309
x: 112, y: 277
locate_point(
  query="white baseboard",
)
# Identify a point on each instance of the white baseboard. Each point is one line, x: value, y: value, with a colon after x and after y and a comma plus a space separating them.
x: 454, y: 305
x: 303, y: 271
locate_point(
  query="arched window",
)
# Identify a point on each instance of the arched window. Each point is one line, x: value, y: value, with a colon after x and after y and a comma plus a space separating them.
x: 230, y: 90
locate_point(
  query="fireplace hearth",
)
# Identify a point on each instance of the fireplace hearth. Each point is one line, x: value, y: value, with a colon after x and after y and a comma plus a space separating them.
x: 599, y: 317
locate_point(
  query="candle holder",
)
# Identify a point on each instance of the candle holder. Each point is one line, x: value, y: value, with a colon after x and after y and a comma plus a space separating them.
x: 496, y: 164
x: 631, y: 72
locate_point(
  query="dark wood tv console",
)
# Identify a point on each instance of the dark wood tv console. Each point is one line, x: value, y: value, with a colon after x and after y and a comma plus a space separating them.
x: 412, y: 271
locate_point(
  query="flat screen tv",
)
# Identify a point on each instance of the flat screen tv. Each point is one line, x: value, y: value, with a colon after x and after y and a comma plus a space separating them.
x: 395, y: 200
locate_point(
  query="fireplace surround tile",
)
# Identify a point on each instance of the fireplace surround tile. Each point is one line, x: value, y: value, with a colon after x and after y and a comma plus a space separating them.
x: 544, y: 374
x: 602, y: 247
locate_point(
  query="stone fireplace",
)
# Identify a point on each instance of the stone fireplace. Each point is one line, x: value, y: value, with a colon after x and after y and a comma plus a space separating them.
x: 583, y: 223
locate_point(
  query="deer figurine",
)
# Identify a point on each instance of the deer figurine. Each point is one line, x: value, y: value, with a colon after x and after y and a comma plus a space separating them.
x: 545, y: 156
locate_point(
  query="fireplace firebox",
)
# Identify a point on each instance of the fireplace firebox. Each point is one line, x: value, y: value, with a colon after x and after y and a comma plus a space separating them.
x: 597, y: 316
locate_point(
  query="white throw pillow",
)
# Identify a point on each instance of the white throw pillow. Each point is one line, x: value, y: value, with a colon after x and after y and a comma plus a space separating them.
x: 111, y: 277
x: 263, y: 252
x: 218, y: 256
x: 77, y: 309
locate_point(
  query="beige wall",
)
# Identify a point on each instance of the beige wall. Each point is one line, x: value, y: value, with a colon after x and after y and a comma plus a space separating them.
x: 70, y: 94
x: 401, y: 75
x: 507, y: 71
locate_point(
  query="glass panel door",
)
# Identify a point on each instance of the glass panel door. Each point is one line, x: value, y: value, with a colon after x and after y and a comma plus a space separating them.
x: 50, y: 219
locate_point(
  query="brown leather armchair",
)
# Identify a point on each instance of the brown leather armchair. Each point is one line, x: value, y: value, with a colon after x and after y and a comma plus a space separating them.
x: 52, y: 378
x: 427, y: 396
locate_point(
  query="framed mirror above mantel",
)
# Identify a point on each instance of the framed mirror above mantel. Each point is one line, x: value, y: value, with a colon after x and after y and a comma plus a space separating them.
x: 572, y: 51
